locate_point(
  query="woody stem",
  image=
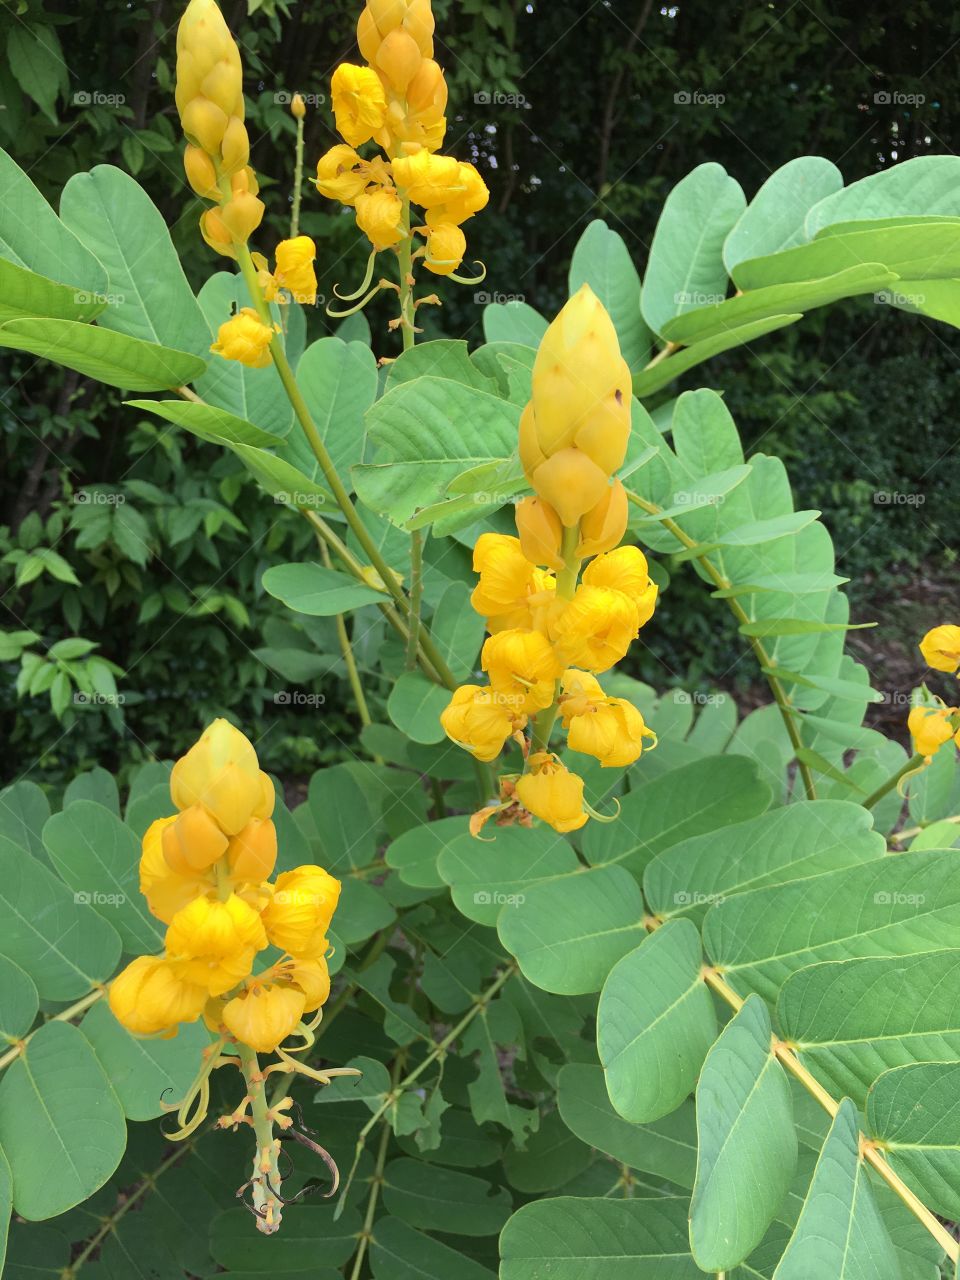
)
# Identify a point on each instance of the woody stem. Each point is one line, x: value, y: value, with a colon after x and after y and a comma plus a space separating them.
x: 265, y: 1179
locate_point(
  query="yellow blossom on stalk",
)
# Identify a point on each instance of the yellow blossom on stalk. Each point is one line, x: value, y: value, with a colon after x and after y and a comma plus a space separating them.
x: 264, y: 1014
x: 216, y: 941
x: 342, y: 175
x: 359, y: 103
x: 252, y: 853
x: 523, y: 670
x: 425, y: 178
x: 380, y: 217
x: 294, y: 273
x: 931, y: 729
x: 480, y: 722
x: 603, y: 527
x: 166, y: 890
x: 626, y: 570
x: 611, y: 729
x: 468, y: 197
x: 152, y: 996
x: 446, y: 245
x: 541, y: 533
x: 941, y: 648
x: 246, y: 339
x: 551, y: 792
x: 596, y: 628
x: 298, y: 915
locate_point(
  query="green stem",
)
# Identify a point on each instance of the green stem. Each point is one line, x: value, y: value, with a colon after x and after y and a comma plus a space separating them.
x: 376, y: 1182
x: 346, y: 650
x: 765, y: 660
x: 416, y: 596
x: 916, y: 762
x: 297, y: 184
x: 408, y: 313
x: 265, y: 1179
x: 566, y: 588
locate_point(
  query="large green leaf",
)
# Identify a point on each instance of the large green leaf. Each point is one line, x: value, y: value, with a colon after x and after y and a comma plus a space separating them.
x: 414, y: 855
x: 114, y: 358
x: 23, y: 293
x: 32, y: 236
x: 655, y: 1023
x: 414, y: 706
x: 99, y: 857
x: 852, y: 1019
x: 747, y: 1142
x: 484, y: 878
x: 24, y: 808
x: 346, y: 819
x: 63, y: 945
x: 61, y: 1124
x: 217, y: 426
x: 399, y: 1252
x: 602, y: 260
x: 339, y: 383
x: 685, y: 269
x: 774, y: 219
x: 925, y: 185
x: 441, y: 1200
x: 912, y: 1112
x: 308, y: 1232
x: 657, y: 376
x: 513, y: 321
x: 147, y: 290
x: 6, y: 1205
x: 317, y: 591
x: 457, y: 630
x: 19, y: 1001
x: 840, y: 1233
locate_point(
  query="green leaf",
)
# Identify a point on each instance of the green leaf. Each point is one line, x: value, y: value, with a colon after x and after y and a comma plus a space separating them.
x: 655, y: 377
x: 24, y: 808
x: 486, y: 878
x: 339, y: 383
x: 6, y: 1205
x: 573, y: 1239
x: 148, y: 292
x: 685, y: 269
x: 840, y: 1232
x: 346, y: 822
x: 214, y: 425
x: 457, y: 630
x: 414, y: 855
x: 925, y: 185
x: 61, y: 1125
x: 568, y: 933
x: 399, y: 1252
x: 110, y: 357
x: 308, y: 1232
x: 462, y: 1144
x: 774, y: 219
x: 552, y: 1158
x: 798, y: 627
x: 441, y: 1200
x: 852, y: 1019
x: 316, y: 591
x: 99, y: 857
x: 286, y: 482
x: 513, y: 321
x: 65, y: 947
x: 414, y: 706
x: 37, y: 63
x: 23, y: 293
x: 361, y: 912
x: 655, y: 1023
x: 911, y: 1111
x: 19, y: 1003
x: 667, y: 1148
x: 34, y: 237
x: 602, y: 260
x: 746, y: 1139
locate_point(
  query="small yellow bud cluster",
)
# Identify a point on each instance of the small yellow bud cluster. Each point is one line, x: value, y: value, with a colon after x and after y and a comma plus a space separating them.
x: 210, y: 101
x: 398, y: 100
x: 933, y: 726
x: 205, y: 872
x: 553, y: 629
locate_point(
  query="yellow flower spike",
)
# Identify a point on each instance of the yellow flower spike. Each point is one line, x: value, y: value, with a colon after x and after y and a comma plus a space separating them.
x: 217, y: 234
x: 930, y: 729
x: 602, y: 528
x: 241, y: 215
x: 252, y: 853
x: 203, y: 43
x: 427, y: 179
x: 359, y: 103
x: 380, y: 217
x: 342, y: 175
x: 221, y: 760
x: 625, y: 569
x: 470, y: 196
x: 610, y: 729
x: 298, y: 915
x: 941, y: 648
x: 479, y: 722
x: 523, y: 670
x: 552, y: 793
x: 201, y: 173
x: 152, y: 996
x: 204, y: 124
x: 595, y: 629
x: 167, y: 891
x: 192, y: 842
x: 295, y: 271
x: 571, y: 483
x: 264, y: 1015
x: 216, y: 942
x: 235, y: 147
x: 446, y: 245
x: 506, y: 574
x: 541, y: 533
x: 246, y: 339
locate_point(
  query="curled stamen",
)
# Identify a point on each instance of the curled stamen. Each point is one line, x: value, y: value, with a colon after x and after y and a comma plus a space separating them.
x: 352, y: 311
x: 601, y: 817
x: 365, y: 284
x: 475, y: 280
x: 325, y: 1156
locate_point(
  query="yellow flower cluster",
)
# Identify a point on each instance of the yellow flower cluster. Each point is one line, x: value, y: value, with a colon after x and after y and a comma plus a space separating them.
x: 205, y: 872
x: 398, y: 101
x: 245, y: 337
x: 933, y: 726
x: 210, y: 101
x: 553, y: 629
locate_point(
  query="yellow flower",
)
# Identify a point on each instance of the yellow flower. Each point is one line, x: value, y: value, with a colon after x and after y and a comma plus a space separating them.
x: 930, y: 728
x: 446, y: 245
x: 418, y: 120
x: 551, y: 792
x: 427, y: 179
x: 167, y: 891
x: 478, y: 721
x: 216, y: 234
x: 295, y: 272
x: 245, y: 338
x: 381, y: 17
x: 201, y: 173
x: 222, y: 773
x: 241, y: 215
x: 541, y: 532
x: 216, y: 942
x: 299, y: 913
x: 313, y: 979
x: 264, y: 1014
x: 208, y: 61
x: 523, y: 670
x: 469, y: 197
x: 506, y: 575
x: 193, y: 841
x: 569, y: 480
x: 380, y: 217
x: 359, y: 103
x: 941, y: 648
x: 252, y: 853
x: 342, y: 175
x: 152, y: 996
x: 611, y: 729
x: 603, y: 528
x: 595, y: 628
x: 625, y: 570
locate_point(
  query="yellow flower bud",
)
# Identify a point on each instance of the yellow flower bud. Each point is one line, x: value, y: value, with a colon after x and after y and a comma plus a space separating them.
x: 359, y: 103
x: 380, y: 217
x: 152, y: 997
x: 235, y: 147
x: 930, y: 728
x: 342, y: 175
x: 625, y: 569
x: 201, y: 173
x: 222, y: 773
x: 246, y: 339
x: 551, y: 792
x: 611, y: 729
x: 268, y: 797
x: 446, y: 245
x: 595, y: 629
x: 222, y: 85
x: 244, y: 181
x: 427, y: 179
x: 216, y: 942
x: 193, y: 841
x: 313, y: 979
x: 203, y: 43
x: 298, y: 108
x: 204, y: 124
x: 380, y: 17
x: 398, y: 59
x: 523, y: 670
x: 298, y: 915
x: 471, y: 196
x: 602, y: 528
x: 941, y: 648
x: 216, y: 233
x: 541, y: 532
x: 479, y: 722
x: 241, y: 215
x: 571, y: 483
x: 295, y: 273
x: 252, y: 853
x: 167, y: 891
x: 506, y: 574
x: 421, y: 120
x: 264, y: 1015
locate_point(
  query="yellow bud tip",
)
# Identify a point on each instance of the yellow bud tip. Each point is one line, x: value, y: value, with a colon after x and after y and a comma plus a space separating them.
x: 298, y: 108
